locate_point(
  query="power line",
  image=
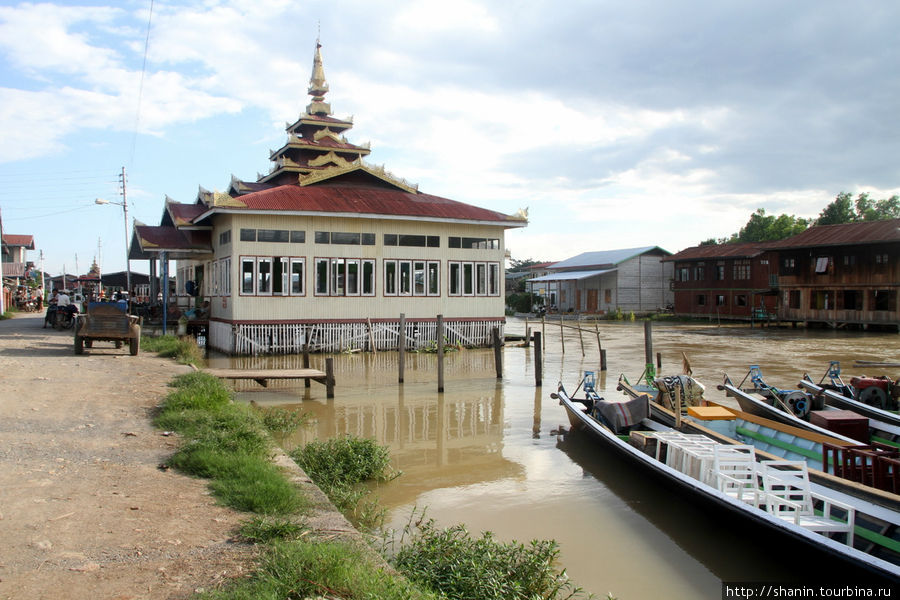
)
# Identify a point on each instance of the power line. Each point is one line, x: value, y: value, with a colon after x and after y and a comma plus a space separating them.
x: 137, y: 117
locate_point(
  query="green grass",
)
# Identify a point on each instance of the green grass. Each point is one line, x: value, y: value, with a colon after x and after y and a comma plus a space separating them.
x: 184, y: 350
x: 226, y: 443
x: 319, y: 570
x: 263, y: 530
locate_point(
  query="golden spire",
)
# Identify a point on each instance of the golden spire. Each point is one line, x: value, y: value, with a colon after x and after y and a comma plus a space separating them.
x: 318, y: 87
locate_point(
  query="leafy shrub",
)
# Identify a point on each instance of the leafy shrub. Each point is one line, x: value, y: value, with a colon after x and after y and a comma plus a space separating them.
x: 451, y: 562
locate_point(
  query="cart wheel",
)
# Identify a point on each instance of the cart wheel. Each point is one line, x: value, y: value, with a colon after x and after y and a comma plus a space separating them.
x: 134, y: 344
x: 118, y: 344
x: 79, y: 344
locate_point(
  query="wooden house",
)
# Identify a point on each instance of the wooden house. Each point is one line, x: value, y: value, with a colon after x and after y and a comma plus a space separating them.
x: 631, y: 280
x: 726, y: 281
x: 329, y: 250
x: 842, y: 274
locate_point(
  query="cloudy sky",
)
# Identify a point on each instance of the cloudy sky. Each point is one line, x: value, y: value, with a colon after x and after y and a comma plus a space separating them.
x: 617, y: 124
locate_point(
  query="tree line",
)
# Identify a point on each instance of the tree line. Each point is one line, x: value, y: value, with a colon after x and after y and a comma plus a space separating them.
x: 844, y: 208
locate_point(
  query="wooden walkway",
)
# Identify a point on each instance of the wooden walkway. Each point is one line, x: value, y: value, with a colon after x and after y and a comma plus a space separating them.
x: 261, y: 376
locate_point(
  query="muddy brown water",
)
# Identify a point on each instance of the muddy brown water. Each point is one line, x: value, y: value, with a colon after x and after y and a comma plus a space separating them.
x: 485, y: 453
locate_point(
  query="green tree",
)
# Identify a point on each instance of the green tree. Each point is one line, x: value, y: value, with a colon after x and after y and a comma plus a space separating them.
x: 765, y: 228
x: 840, y: 210
x: 844, y: 209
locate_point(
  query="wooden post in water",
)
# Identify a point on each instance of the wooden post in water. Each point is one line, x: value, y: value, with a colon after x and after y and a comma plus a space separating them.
x: 562, y: 334
x: 306, y: 361
x: 538, y: 360
x: 401, y: 347
x: 597, y: 331
x: 580, y: 337
x: 371, y: 336
x: 440, y: 353
x: 648, y: 343
x: 329, y: 377
x: 602, y: 359
x: 658, y: 362
x: 543, y: 332
x: 527, y: 336
x: 498, y: 359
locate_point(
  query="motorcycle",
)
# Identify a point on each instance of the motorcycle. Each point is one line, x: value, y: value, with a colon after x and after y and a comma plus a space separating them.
x: 64, y: 318
x: 50, y: 317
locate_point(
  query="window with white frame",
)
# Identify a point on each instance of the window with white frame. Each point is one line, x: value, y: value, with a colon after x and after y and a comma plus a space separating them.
x: 225, y: 276
x: 473, y: 278
x: 480, y: 279
x: 248, y: 275
x: 493, y: 279
x: 454, y: 287
x: 297, y: 287
x: 345, y: 277
x: 412, y: 278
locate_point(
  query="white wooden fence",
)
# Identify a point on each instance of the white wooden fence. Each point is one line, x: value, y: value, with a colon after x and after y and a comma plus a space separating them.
x: 289, y: 338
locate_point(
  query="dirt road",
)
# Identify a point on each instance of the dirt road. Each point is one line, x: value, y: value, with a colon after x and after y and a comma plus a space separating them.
x: 85, y: 512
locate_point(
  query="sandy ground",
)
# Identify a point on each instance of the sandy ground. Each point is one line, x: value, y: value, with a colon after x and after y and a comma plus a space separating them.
x: 85, y: 510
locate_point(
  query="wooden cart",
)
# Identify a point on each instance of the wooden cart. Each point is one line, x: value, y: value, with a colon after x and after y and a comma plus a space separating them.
x: 110, y: 322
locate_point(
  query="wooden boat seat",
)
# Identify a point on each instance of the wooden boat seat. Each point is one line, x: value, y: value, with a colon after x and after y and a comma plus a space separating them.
x: 788, y: 496
x: 735, y: 473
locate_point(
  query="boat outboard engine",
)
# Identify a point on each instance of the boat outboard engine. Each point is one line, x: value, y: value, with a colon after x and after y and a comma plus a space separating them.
x: 798, y: 401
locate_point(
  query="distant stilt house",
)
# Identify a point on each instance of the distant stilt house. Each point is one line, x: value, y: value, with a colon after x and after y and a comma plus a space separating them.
x: 726, y: 281
x: 838, y: 275
x: 842, y: 274
x: 631, y: 280
x: 329, y: 250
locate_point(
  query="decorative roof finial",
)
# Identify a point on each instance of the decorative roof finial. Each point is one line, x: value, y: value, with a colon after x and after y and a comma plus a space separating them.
x: 318, y: 87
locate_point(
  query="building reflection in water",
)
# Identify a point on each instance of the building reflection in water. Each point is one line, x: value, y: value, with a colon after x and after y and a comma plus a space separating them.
x: 436, y: 440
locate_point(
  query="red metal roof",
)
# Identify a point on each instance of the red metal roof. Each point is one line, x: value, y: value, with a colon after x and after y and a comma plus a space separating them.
x: 153, y: 239
x: 714, y: 251
x: 349, y: 197
x: 868, y: 232
x: 182, y: 214
x: 19, y: 240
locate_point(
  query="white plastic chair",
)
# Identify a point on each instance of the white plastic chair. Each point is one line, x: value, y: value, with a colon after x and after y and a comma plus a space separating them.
x: 789, y: 497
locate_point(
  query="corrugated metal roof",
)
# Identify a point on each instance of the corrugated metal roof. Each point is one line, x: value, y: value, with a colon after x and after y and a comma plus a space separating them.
x: 152, y: 239
x: 869, y: 232
x: 714, y: 251
x: 376, y: 199
x: 183, y: 214
x: 569, y: 275
x: 604, y: 257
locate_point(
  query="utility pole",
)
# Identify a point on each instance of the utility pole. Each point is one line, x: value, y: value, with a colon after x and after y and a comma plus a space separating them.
x: 43, y: 289
x: 123, y: 178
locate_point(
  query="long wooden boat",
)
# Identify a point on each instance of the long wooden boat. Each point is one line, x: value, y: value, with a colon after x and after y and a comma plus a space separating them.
x: 884, y: 425
x: 876, y: 554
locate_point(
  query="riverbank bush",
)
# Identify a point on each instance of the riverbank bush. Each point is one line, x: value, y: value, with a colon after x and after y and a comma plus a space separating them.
x: 184, y: 349
x: 339, y: 466
x: 451, y: 561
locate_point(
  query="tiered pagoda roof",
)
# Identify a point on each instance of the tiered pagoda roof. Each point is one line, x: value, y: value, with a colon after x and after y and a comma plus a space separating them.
x: 315, y: 142
x: 317, y: 171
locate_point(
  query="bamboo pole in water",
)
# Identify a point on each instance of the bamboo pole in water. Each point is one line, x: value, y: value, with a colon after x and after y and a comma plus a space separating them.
x: 401, y: 347
x: 440, y: 353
